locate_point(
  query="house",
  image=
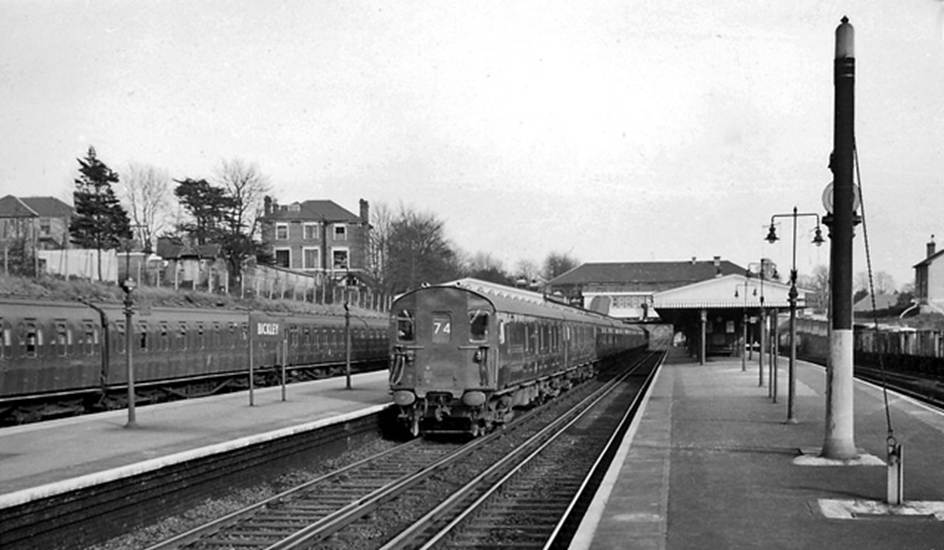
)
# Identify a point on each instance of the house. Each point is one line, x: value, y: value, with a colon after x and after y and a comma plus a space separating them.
x: 626, y: 289
x: 188, y: 265
x: 929, y: 280
x: 317, y: 236
x: 45, y: 219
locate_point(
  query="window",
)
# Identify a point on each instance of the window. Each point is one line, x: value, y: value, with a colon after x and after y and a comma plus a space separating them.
x: 91, y: 337
x: 6, y: 342
x: 283, y: 257
x: 62, y: 338
x: 45, y: 227
x: 120, y: 331
x: 339, y: 259
x: 165, y: 337
x: 183, y: 335
x: 201, y: 336
x: 442, y: 328
x: 311, y: 258
x: 143, y: 335
x: 281, y: 231
x: 340, y: 232
x: 478, y: 325
x: 310, y: 232
x: 406, y: 327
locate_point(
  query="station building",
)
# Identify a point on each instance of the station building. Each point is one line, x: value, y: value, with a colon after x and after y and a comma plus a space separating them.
x: 715, y: 306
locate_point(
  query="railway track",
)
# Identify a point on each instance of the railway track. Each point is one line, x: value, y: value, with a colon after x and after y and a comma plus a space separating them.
x: 926, y: 390
x: 368, y: 503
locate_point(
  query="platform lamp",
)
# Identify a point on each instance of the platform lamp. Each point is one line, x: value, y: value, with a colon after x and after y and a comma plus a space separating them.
x: 128, y: 286
x: 747, y: 276
x: 818, y: 241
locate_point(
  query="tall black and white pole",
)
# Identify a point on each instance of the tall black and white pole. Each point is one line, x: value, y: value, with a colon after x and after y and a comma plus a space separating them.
x: 839, y: 441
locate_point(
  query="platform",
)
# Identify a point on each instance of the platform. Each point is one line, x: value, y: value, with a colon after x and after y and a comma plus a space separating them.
x: 712, y: 464
x: 49, y: 458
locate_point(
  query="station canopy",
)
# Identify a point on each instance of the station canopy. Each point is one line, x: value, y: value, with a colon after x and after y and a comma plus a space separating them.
x: 719, y: 293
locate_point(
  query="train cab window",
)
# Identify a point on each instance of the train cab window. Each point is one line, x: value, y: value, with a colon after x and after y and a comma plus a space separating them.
x: 143, y: 335
x: 442, y: 328
x: 406, y: 326
x: 478, y: 325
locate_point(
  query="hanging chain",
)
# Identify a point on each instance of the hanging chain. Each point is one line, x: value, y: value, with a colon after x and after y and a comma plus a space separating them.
x: 868, y: 261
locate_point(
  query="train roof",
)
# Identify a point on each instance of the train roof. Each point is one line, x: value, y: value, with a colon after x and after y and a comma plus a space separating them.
x: 515, y: 300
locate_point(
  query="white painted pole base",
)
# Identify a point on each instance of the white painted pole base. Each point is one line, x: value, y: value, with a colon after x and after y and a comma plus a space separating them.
x: 895, y: 489
x: 839, y: 442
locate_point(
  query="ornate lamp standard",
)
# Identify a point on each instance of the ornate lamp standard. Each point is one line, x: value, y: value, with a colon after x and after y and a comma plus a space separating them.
x: 817, y: 240
x: 128, y: 286
x: 747, y: 276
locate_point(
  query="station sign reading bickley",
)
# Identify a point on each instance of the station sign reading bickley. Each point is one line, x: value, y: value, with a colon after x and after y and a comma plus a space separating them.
x: 263, y: 327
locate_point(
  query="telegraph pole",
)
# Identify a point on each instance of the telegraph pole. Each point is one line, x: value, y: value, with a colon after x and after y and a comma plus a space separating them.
x: 839, y: 441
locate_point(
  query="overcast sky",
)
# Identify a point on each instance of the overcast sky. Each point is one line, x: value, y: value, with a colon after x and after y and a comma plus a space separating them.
x: 613, y: 131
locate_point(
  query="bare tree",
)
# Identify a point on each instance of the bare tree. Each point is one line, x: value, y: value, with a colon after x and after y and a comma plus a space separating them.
x: 883, y: 282
x: 558, y: 263
x: 818, y: 282
x: 526, y: 272
x: 482, y: 265
x: 246, y: 186
x: 144, y: 192
x: 378, y: 246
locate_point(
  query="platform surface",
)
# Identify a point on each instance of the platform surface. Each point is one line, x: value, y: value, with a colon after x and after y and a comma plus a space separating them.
x: 712, y: 464
x: 48, y: 458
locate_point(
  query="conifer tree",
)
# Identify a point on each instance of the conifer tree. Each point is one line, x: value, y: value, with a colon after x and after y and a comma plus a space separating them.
x: 99, y: 221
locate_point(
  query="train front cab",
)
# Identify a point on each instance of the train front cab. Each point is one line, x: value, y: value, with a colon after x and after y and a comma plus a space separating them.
x: 444, y: 359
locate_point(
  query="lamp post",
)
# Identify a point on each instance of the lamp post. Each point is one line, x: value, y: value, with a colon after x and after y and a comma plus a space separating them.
x: 763, y: 322
x: 747, y: 276
x: 792, y: 296
x: 128, y: 286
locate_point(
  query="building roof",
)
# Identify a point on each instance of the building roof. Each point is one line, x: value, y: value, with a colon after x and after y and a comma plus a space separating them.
x: 49, y: 207
x: 13, y: 207
x: 652, y: 275
x: 315, y: 210
x: 173, y: 250
x: 883, y: 301
x: 929, y: 259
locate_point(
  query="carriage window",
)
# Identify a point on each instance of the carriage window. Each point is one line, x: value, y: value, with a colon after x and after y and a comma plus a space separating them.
x: 406, y: 326
x: 120, y: 331
x: 201, y: 336
x: 91, y: 337
x: 478, y: 325
x: 143, y: 335
x: 165, y: 337
x: 442, y: 328
x: 29, y: 339
x: 6, y: 342
x: 183, y: 335
x: 62, y: 338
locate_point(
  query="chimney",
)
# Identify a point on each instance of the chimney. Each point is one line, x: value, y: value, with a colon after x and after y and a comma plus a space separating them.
x: 365, y: 212
x: 267, y: 205
x: 931, y: 247
x: 693, y: 260
x: 717, y: 262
